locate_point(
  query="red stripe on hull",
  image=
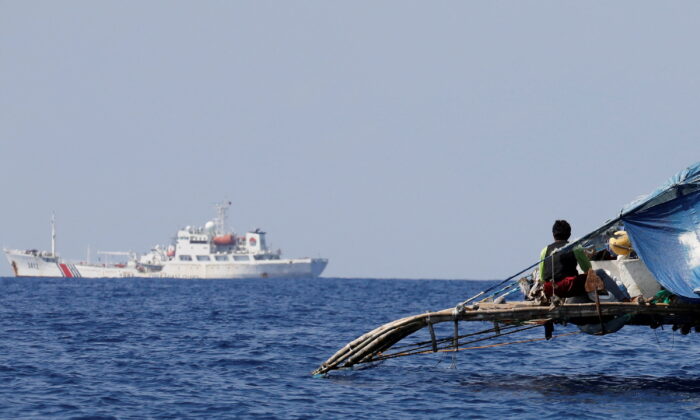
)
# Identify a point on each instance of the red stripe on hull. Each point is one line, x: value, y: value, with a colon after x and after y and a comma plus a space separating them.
x: 66, y: 271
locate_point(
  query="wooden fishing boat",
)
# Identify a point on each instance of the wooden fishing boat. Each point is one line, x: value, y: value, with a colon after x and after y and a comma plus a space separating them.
x: 664, y: 232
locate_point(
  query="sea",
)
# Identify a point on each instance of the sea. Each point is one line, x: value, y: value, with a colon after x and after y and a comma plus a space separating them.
x: 217, y: 349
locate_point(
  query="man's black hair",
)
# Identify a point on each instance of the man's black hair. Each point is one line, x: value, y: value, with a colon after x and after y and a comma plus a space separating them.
x: 561, y: 230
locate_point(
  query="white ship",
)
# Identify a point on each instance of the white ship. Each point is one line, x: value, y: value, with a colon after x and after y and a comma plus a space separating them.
x: 209, y: 252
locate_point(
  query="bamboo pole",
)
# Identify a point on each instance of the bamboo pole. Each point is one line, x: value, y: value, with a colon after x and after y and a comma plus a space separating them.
x: 370, y: 344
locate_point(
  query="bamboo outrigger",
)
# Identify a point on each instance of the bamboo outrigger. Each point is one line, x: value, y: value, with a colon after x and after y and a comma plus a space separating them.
x: 512, y: 317
x: 664, y: 229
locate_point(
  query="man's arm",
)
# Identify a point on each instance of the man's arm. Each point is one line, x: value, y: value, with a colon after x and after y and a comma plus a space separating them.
x: 540, y: 268
x: 582, y: 259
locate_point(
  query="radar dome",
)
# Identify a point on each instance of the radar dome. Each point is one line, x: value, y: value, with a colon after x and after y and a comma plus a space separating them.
x: 209, y: 226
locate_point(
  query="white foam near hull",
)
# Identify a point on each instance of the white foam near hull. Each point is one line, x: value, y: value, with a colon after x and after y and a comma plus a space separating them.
x: 26, y: 264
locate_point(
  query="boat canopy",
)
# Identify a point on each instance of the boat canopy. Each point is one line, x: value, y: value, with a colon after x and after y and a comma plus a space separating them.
x: 664, y: 228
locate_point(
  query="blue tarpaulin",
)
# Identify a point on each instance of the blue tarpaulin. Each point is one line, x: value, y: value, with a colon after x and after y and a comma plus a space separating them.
x: 665, y: 231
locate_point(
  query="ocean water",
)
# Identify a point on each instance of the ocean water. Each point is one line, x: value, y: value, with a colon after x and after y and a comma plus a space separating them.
x: 133, y: 349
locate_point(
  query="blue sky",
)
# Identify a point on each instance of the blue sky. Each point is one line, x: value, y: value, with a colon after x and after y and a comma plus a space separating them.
x: 399, y: 139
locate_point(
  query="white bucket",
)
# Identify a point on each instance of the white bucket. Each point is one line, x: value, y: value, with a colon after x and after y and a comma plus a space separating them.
x: 637, y: 278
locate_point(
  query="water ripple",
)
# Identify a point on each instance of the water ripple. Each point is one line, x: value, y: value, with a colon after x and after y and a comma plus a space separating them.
x: 132, y: 349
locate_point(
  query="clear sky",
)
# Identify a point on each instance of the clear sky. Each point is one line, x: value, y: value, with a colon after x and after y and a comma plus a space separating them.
x: 397, y: 138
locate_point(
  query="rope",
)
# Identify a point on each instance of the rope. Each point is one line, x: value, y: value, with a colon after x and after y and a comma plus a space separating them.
x: 426, y: 344
x: 509, y: 289
x: 511, y: 342
x: 510, y: 292
x: 454, y: 346
x: 455, y: 343
x: 483, y: 292
x: 568, y: 246
x: 451, y: 350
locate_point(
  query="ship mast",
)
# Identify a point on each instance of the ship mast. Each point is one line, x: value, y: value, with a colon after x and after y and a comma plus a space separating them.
x: 53, y: 234
x: 220, y: 222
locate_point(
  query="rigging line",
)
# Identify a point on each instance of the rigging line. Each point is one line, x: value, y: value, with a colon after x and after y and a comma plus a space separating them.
x: 445, y: 339
x: 483, y: 292
x: 578, y: 241
x: 662, y: 346
x: 497, y: 335
x: 532, y: 340
x: 409, y: 352
x: 455, y: 343
x: 673, y: 339
x: 510, y: 292
x: 511, y: 286
x: 452, y: 350
x: 505, y: 327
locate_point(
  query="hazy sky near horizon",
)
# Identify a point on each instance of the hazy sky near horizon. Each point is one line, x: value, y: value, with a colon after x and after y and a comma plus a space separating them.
x: 397, y: 138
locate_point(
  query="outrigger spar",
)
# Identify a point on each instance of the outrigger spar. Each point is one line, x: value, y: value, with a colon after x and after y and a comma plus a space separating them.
x: 664, y: 279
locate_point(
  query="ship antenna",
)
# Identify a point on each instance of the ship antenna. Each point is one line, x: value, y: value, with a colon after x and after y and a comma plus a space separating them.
x: 53, y: 234
x: 221, y: 210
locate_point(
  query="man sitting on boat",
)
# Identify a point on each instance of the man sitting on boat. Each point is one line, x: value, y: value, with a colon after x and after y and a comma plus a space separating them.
x: 558, y: 267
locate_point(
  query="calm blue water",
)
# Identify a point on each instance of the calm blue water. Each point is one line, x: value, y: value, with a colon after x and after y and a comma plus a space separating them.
x: 225, y: 349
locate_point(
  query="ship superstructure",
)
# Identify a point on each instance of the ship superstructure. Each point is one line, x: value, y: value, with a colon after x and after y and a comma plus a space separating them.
x: 197, y: 252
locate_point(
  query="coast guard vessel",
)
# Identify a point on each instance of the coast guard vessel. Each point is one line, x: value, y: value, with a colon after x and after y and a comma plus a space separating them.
x: 209, y: 252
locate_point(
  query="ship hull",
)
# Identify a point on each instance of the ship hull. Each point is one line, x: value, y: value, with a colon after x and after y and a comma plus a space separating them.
x: 297, y: 267
x: 26, y: 264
